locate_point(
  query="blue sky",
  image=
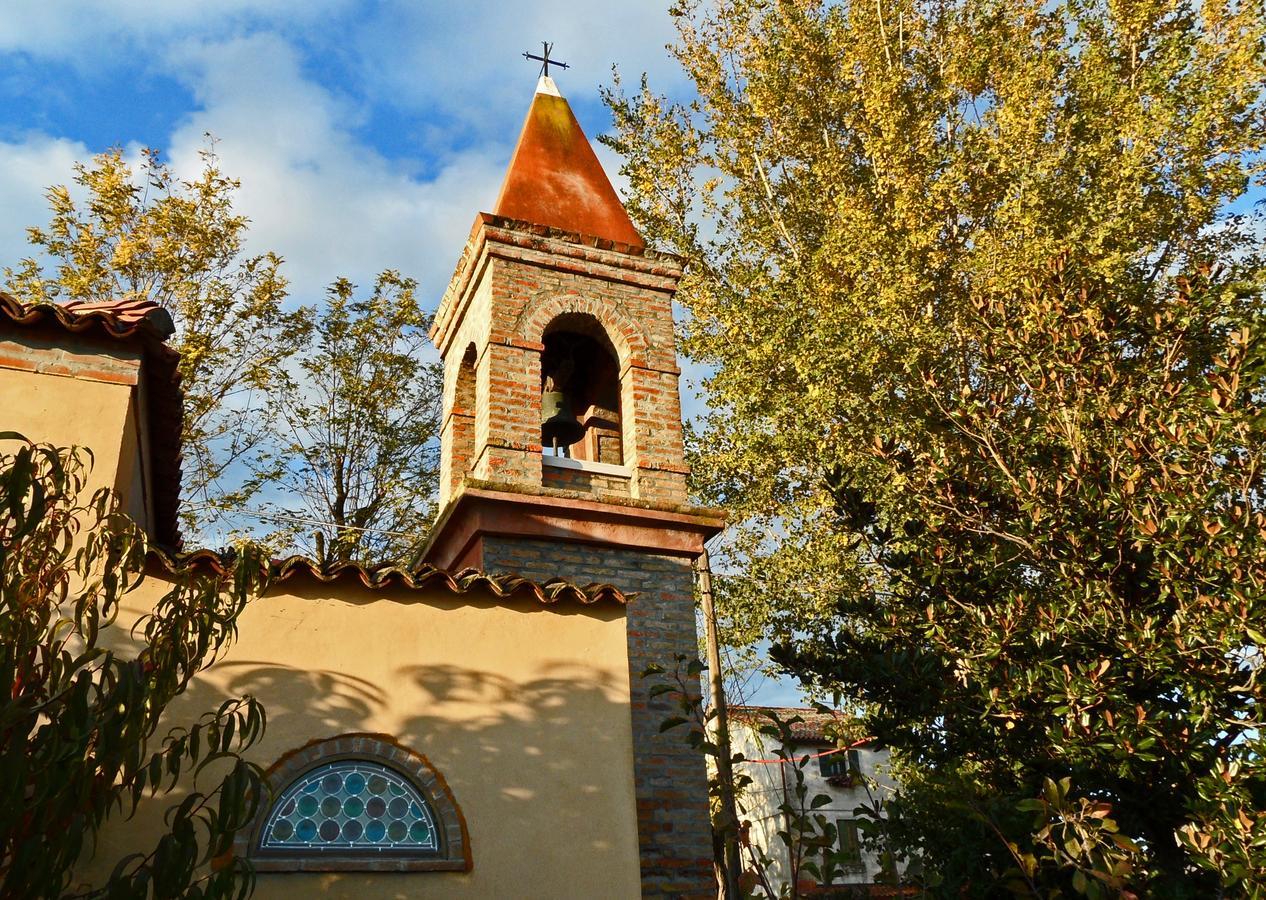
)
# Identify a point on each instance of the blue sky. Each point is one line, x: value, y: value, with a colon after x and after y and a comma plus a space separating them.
x: 367, y: 135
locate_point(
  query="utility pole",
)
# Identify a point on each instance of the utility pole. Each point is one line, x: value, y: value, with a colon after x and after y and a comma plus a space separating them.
x: 729, y: 823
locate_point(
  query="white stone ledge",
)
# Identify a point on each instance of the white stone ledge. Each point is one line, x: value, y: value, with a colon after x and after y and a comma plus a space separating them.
x: 585, y: 465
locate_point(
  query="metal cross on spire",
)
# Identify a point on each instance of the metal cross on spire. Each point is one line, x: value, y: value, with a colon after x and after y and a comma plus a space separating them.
x: 544, y: 59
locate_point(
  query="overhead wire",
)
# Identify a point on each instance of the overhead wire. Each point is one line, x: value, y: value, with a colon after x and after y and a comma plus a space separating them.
x: 852, y: 746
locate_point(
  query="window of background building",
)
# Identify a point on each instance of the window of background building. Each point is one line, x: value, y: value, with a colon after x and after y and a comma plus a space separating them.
x: 849, y: 842
x: 842, y: 763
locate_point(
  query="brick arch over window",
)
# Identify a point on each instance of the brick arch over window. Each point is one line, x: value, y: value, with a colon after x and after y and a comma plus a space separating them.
x: 409, y: 775
x: 626, y: 335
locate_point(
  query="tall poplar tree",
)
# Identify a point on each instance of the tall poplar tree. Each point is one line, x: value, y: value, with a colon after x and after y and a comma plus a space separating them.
x: 981, y: 291
x: 355, y: 428
x: 141, y: 233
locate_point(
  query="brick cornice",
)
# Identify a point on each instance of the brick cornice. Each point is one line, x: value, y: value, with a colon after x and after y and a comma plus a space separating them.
x: 496, y: 237
x: 666, y: 370
x: 483, y: 509
x: 456, y: 412
x: 72, y: 356
x: 553, y: 254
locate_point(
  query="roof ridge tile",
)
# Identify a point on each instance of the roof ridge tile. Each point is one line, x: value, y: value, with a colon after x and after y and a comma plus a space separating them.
x: 388, y: 575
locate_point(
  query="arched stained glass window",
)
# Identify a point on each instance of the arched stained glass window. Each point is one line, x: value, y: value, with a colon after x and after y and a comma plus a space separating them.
x: 353, y: 803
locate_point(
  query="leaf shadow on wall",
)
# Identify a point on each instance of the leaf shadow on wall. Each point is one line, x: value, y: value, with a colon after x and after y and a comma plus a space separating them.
x: 540, y: 768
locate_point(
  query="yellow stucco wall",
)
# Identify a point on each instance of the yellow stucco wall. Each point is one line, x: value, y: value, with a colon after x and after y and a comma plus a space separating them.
x: 522, y: 708
x: 64, y: 411
x: 130, y: 483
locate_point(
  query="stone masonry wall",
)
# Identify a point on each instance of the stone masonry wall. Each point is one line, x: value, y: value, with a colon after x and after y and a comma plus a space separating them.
x: 514, y: 280
x: 638, y: 321
x: 671, y: 782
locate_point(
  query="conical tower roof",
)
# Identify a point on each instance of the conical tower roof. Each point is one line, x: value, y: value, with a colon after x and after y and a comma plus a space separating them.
x: 555, y: 178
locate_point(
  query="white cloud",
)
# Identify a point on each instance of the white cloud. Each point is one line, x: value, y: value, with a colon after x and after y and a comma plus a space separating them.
x: 89, y: 31
x: 28, y: 167
x: 327, y: 203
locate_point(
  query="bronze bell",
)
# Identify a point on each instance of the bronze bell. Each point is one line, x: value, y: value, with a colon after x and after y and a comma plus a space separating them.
x: 559, y: 427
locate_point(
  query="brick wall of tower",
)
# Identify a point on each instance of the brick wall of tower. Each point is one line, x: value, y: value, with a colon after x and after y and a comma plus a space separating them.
x: 522, y: 287
x: 595, y: 483
x: 670, y: 778
x: 458, y: 429
x: 508, y: 413
x: 654, y: 433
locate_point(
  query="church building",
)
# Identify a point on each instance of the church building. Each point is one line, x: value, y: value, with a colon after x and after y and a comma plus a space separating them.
x: 475, y: 726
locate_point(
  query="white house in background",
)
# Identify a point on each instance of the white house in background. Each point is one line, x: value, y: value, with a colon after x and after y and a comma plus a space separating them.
x: 843, y: 775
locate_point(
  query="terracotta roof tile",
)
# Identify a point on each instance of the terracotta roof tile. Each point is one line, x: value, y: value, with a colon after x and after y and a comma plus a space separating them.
x: 118, y: 318
x: 814, y: 729
x: 387, y: 576
x: 125, y: 313
x: 150, y: 325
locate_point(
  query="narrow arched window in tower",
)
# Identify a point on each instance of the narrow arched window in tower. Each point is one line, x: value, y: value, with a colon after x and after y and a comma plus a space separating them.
x: 580, y: 392
x: 457, y: 436
x: 464, y: 391
x: 464, y: 406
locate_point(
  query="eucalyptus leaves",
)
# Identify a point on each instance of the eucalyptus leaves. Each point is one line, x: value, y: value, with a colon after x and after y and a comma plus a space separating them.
x: 80, y: 734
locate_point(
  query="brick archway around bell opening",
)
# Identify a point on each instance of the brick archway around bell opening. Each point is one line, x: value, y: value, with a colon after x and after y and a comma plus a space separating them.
x: 627, y: 337
x: 650, y: 407
x: 621, y: 337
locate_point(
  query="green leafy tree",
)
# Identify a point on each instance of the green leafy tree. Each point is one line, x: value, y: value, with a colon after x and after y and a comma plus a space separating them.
x: 985, y: 324
x: 80, y: 736
x: 139, y: 232
x: 354, y: 437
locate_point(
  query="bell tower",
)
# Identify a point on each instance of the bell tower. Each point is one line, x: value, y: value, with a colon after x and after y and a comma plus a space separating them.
x: 561, y: 443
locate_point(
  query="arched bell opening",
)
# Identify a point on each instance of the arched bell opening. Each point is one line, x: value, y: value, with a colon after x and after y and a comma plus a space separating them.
x: 580, y: 391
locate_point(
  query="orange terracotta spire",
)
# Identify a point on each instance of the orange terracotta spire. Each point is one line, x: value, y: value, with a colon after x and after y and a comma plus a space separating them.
x: 555, y: 179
